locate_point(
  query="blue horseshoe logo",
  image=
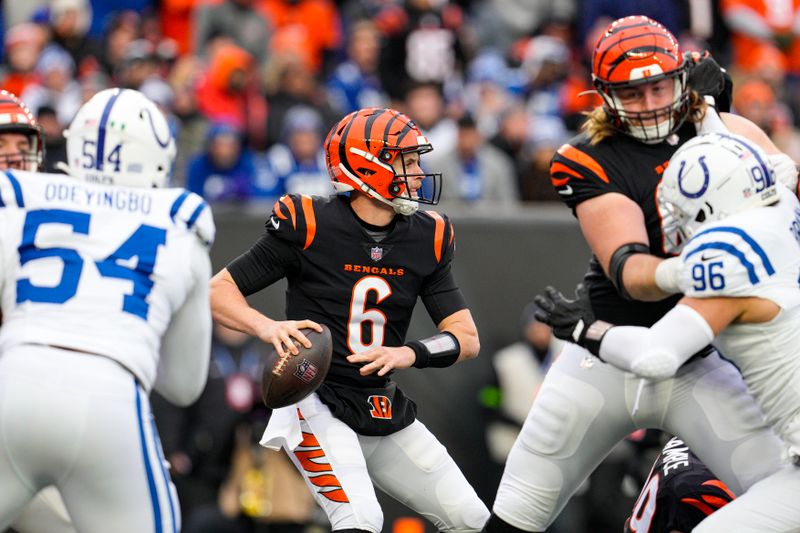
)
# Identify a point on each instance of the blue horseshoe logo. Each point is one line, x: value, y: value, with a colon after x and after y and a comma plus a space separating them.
x: 162, y: 144
x: 703, y: 189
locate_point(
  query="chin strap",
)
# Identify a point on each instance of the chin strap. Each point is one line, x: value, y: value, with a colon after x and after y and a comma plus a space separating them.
x: 401, y: 206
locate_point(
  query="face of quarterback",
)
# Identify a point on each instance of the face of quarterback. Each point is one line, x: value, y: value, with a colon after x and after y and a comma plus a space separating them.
x: 13, y: 146
x: 408, y: 164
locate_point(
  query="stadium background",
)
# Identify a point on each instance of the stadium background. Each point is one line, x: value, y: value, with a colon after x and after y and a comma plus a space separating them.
x: 251, y: 86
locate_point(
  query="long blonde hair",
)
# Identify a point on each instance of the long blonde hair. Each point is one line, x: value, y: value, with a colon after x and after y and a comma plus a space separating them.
x: 598, y: 125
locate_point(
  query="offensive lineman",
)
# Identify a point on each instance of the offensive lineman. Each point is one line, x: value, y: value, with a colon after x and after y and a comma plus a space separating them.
x: 104, y: 296
x: 738, y: 234
x: 357, y: 262
x: 608, y: 176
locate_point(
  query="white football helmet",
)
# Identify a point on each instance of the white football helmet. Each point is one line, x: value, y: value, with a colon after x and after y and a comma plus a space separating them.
x: 709, y: 178
x: 120, y: 137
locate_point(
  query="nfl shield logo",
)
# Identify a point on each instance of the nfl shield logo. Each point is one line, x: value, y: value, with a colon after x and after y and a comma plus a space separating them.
x: 376, y: 253
x: 305, y: 371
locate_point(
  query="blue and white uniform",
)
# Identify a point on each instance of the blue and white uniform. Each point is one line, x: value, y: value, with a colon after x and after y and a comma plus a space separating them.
x: 104, y: 294
x: 756, y: 253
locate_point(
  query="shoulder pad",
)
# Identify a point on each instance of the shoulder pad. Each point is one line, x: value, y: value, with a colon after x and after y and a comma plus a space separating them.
x: 572, y: 162
x: 191, y: 210
x: 10, y: 190
x: 724, y: 261
x: 293, y: 219
x: 443, y: 234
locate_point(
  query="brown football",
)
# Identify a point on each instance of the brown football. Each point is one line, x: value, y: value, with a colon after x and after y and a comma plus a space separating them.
x: 290, y: 379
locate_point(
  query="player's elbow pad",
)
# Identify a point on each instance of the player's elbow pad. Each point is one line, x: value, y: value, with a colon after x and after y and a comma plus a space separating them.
x: 656, y: 364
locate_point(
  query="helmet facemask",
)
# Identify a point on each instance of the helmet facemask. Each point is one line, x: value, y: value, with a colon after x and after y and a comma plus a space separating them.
x: 636, y: 51
x: 16, y: 118
x: 654, y: 125
x: 709, y: 178
x: 401, y: 189
x: 30, y: 159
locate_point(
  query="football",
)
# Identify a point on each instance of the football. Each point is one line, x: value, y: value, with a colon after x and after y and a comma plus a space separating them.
x: 289, y: 379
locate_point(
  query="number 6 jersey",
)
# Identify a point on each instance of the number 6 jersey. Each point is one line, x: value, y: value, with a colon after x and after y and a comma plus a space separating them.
x: 364, y: 289
x: 76, y: 253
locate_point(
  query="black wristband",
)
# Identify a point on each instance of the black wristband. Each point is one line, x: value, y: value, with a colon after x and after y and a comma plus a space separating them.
x: 593, y: 336
x: 439, y: 351
x: 617, y: 262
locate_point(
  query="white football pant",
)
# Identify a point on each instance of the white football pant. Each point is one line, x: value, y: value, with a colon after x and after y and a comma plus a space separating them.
x: 342, y: 469
x: 81, y: 423
x: 585, y: 407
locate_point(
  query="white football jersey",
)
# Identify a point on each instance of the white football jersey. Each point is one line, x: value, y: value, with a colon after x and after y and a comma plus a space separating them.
x: 74, y: 253
x: 756, y: 253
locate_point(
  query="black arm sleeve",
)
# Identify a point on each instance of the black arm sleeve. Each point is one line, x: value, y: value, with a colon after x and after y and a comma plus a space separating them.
x: 267, y: 261
x: 440, y: 294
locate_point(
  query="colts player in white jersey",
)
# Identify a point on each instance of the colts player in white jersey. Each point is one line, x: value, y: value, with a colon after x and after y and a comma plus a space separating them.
x: 104, y: 287
x: 738, y: 234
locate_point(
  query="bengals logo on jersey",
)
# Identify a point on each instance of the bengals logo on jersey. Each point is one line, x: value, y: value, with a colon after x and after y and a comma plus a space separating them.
x: 380, y: 407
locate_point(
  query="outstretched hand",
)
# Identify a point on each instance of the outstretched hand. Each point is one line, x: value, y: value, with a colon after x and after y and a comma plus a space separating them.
x: 708, y: 78
x: 569, y: 318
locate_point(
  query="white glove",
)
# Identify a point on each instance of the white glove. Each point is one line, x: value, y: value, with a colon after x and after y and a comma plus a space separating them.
x: 785, y: 169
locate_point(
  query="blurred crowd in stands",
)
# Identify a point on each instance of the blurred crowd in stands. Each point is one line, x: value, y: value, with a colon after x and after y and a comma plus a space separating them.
x: 252, y: 86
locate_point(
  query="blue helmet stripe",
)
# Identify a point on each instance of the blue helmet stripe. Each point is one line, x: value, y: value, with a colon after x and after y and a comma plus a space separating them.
x: 731, y: 249
x: 748, y: 239
x: 17, y: 189
x: 101, y: 130
x: 753, y: 150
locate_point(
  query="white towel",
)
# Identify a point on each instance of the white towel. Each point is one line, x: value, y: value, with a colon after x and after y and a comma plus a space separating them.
x: 283, y: 429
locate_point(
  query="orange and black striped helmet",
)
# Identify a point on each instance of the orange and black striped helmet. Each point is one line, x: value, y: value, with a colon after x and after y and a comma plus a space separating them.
x: 15, y: 117
x: 633, y: 51
x: 360, y: 151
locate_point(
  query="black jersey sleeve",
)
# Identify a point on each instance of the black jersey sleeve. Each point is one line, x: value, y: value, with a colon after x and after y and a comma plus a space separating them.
x: 440, y: 294
x: 267, y: 261
x: 293, y: 220
x: 578, y: 176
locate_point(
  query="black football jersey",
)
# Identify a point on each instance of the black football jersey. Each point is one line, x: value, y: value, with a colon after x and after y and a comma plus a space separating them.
x: 680, y: 492
x: 340, y: 276
x: 619, y: 164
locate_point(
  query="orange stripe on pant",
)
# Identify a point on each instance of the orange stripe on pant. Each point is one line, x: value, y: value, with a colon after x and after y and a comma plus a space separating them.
x: 315, y: 460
